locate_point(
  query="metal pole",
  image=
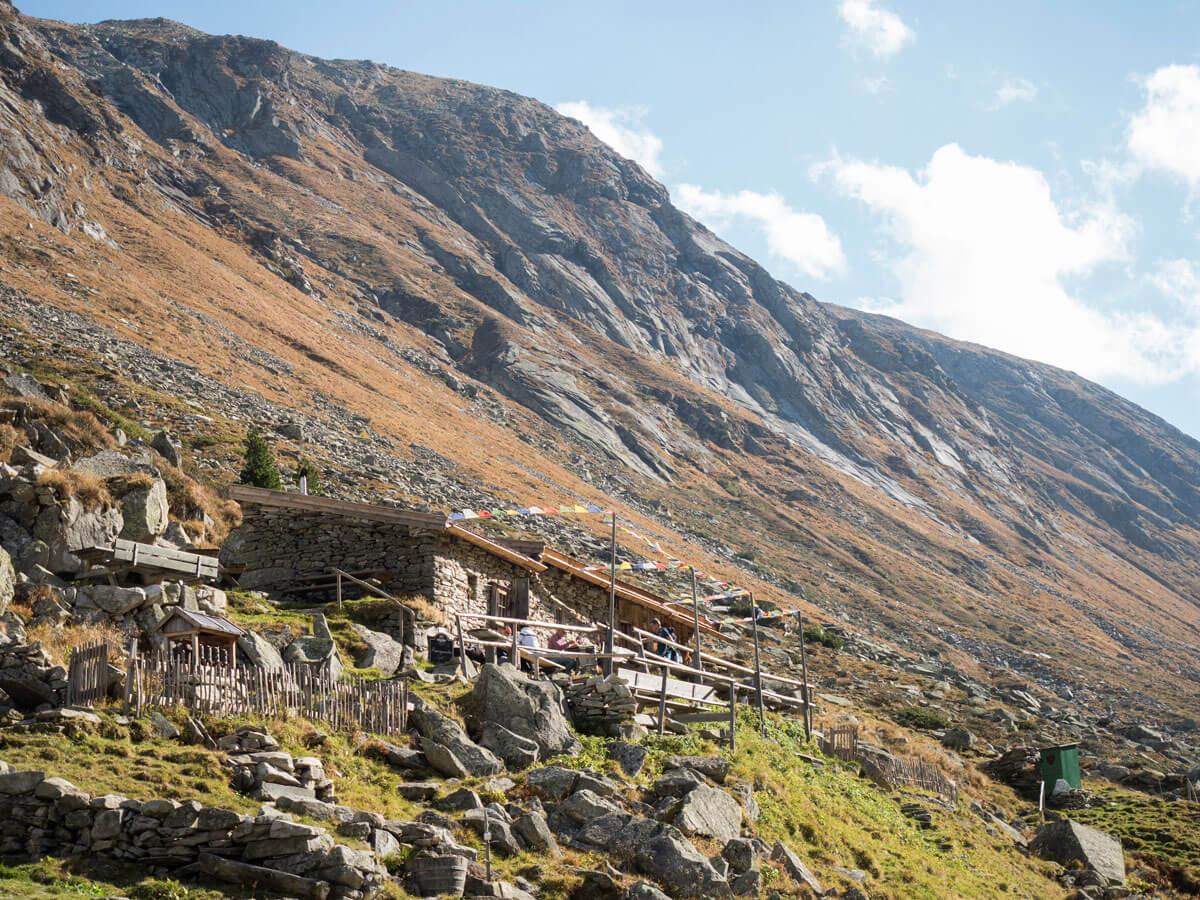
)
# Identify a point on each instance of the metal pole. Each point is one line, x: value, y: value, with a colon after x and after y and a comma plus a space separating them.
x: 804, y: 672
x: 762, y: 716
x: 696, y: 621
x: 612, y: 599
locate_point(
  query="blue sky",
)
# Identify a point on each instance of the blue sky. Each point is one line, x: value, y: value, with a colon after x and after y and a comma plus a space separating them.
x: 1024, y: 175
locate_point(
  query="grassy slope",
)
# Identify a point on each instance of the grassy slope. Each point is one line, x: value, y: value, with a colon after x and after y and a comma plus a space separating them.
x: 828, y: 815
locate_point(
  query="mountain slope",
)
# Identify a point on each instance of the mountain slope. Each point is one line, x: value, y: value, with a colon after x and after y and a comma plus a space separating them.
x: 428, y: 262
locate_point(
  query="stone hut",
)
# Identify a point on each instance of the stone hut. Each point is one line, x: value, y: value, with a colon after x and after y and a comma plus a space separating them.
x: 287, y: 540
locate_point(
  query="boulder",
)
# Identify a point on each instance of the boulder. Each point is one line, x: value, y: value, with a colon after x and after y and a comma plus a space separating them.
x: 644, y: 890
x: 440, y: 729
x: 442, y: 759
x: 656, y: 850
x: 630, y: 757
x: 258, y: 651
x: 533, y: 830
x: 67, y: 527
x: 532, y: 709
x: 1067, y: 841
x: 714, y: 767
x: 709, y: 812
x: 8, y: 580
x: 144, y: 511
x: 113, y: 463
x: 516, y: 751
x: 25, y: 385
x: 794, y: 866
x: 315, y: 652
x: 958, y: 739
x: 168, y: 448
x: 382, y: 653
x: 116, y: 601
x: 162, y: 726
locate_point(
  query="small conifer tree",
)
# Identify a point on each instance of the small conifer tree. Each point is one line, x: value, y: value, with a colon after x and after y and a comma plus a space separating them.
x: 306, y: 468
x: 260, y: 468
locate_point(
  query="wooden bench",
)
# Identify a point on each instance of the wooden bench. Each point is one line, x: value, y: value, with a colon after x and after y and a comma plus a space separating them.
x: 147, y: 559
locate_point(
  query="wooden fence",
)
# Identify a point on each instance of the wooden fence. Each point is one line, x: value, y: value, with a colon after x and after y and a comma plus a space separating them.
x: 87, y: 677
x: 378, y: 706
x: 841, y: 741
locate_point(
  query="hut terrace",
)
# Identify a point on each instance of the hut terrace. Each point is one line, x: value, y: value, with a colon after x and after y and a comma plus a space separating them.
x: 287, y: 542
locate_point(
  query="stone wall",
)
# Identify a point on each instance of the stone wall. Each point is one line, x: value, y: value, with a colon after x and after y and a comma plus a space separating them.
x: 277, y: 546
x: 464, y: 574
x: 40, y: 816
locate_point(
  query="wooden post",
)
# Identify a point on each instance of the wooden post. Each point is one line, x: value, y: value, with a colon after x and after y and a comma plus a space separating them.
x: 339, y: 588
x: 612, y: 599
x: 732, y: 716
x: 462, y: 647
x: 195, y: 650
x: 699, y: 661
x: 804, y: 676
x: 662, y: 703
x: 762, y: 717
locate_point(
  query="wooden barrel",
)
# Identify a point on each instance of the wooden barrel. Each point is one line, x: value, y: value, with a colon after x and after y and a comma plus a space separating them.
x: 441, y: 875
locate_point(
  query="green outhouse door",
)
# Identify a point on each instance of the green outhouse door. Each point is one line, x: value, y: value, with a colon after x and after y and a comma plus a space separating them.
x: 1060, y: 763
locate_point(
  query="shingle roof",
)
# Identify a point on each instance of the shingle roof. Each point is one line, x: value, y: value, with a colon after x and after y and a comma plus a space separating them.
x: 205, y: 622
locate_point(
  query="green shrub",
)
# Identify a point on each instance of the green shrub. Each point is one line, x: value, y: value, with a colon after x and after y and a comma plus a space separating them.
x: 922, y: 719
x: 815, y: 634
x: 745, y: 553
x: 260, y: 470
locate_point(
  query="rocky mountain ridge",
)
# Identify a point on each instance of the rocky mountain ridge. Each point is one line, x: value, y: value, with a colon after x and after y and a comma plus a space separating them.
x: 439, y: 264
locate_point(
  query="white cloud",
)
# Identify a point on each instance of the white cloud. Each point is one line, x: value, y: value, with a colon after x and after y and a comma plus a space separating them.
x: 1022, y: 90
x: 984, y: 253
x: 877, y: 85
x: 879, y: 30
x: 798, y: 237
x: 622, y: 129
x: 1165, y: 134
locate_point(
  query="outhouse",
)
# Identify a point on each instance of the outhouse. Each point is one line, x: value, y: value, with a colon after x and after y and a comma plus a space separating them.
x: 205, y: 637
x: 1060, y: 764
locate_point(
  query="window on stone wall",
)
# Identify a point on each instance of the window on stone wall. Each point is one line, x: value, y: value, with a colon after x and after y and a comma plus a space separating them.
x: 498, y: 601
x: 473, y: 589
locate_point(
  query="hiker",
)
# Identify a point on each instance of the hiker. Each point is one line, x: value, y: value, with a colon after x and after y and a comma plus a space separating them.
x: 527, y: 637
x: 558, y: 641
x: 661, y: 649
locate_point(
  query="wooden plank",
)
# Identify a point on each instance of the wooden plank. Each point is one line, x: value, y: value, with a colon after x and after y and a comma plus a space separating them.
x: 309, y: 503
x: 688, y: 690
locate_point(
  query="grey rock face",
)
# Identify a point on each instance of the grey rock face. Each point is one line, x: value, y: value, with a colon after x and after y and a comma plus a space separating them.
x: 709, y: 812
x: 168, y: 448
x: 438, y: 729
x: 8, y: 580
x: 1067, y: 841
x: 382, y: 651
x: 516, y: 751
x: 145, y: 513
x: 958, y: 739
x: 630, y: 757
x: 531, y: 709
x: 714, y: 767
x: 795, y: 867
x: 68, y: 527
x: 257, y: 650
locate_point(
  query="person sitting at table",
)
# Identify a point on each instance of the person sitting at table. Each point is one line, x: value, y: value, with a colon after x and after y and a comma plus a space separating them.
x: 558, y: 641
x: 502, y: 654
x: 661, y: 649
x: 527, y: 637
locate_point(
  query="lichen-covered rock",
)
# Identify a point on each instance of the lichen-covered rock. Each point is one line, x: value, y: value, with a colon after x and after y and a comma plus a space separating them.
x: 8, y: 580
x: 437, y: 728
x: 709, y: 812
x: 532, y: 709
x: 1067, y: 842
x: 145, y: 513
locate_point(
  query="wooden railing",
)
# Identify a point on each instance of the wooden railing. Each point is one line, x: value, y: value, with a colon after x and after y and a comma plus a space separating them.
x: 841, y: 741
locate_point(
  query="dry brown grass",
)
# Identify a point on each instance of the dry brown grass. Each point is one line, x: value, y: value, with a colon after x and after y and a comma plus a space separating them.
x: 424, y: 609
x: 78, y: 427
x: 87, y: 488
x: 191, y: 501
x: 120, y: 485
x: 9, y: 438
x: 58, y: 640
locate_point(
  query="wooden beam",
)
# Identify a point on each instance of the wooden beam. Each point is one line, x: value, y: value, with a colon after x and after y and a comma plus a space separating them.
x: 243, y: 493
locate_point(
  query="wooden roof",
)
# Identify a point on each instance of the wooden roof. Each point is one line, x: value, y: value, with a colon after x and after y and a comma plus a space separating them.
x: 202, y: 622
x: 495, y: 548
x: 624, y: 590
x: 243, y: 493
